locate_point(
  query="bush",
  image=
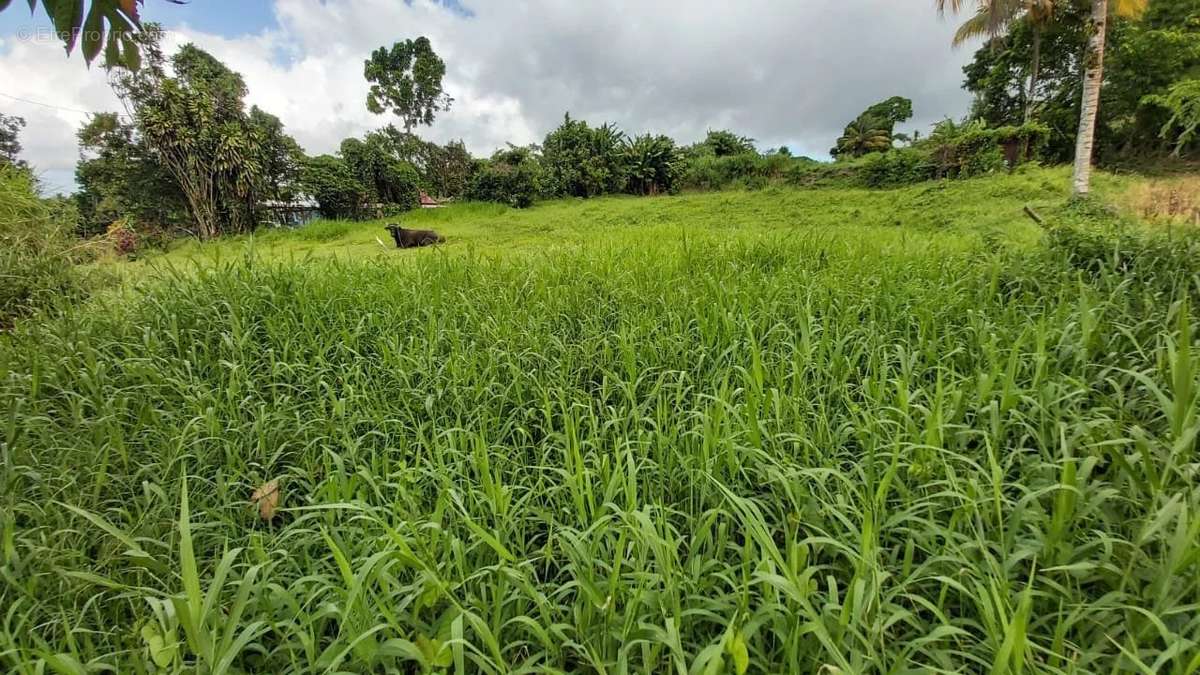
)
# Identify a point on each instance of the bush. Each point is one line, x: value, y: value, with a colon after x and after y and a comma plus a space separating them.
x: 706, y: 171
x: 330, y: 181
x: 511, y: 176
x: 972, y: 149
x: 1091, y: 243
x: 903, y: 166
x: 583, y: 161
x: 1092, y: 240
x: 37, y: 255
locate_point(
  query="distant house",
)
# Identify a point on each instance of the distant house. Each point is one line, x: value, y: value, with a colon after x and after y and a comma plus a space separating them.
x: 295, y: 213
x: 428, y: 202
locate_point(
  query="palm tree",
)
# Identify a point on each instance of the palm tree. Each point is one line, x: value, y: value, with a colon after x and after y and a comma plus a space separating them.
x: 993, y: 17
x: 1093, y: 77
x: 862, y: 136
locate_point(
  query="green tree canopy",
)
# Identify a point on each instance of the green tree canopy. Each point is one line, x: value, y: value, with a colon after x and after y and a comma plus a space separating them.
x: 512, y: 176
x: 387, y: 179
x: 584, y: 161
x: 443, y: 170
x: 890, y: 112
x: 1145, y: 57
x: 724, y: 143
x: 194, y: 121
x: 280, y: 155
x: 10, y: 139
x: 119, y: 177
x: 872, y: 130
x: 407, y: 80
x: 330, y: 181
x: 862, y: 136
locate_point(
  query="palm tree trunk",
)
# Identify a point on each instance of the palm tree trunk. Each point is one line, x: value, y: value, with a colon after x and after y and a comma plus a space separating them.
x: 1092, y: 78
x: 1033, y: 71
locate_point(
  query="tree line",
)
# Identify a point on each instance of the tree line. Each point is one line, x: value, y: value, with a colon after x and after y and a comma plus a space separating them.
x: 1113, y: 81
x: 188, y: 154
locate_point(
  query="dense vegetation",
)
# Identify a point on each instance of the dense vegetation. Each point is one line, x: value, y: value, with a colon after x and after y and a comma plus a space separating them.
x: 1153, y: 62
x: 796, y: 423
x: 37, y: 252
x: 719, y: 434
x: 193, y: 160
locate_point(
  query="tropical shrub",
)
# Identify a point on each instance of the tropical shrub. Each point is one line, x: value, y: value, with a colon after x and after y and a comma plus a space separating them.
x: 512, y: 176
x: 711, y: 172
x: 652, y: 164
x: 582, y: 161
x: 706, y: 171
x: 972, y: 149
x: 723, y: 143
x: 1182, y: 102
x: 862, y: 136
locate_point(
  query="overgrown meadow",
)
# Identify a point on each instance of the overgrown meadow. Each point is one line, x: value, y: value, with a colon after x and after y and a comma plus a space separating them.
x: 878, y: 440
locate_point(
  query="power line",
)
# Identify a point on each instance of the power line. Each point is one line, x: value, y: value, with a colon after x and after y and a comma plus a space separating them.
x: 56, y: 107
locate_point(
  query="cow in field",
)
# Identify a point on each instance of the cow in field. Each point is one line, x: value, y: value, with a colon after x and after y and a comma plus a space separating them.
x: 413, y: 238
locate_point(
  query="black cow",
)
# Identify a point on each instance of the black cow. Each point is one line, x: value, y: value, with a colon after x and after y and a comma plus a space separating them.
x: 413, y: 238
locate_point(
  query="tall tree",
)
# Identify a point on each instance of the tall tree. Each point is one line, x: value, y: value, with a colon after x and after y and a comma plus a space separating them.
x: 194, y: 120
x: 1093, y: 77
x: 280, y: 154
x: 119, y: 177
x: 994, y: 17
x: 407, y: 80
x: 862, y: 136
x: 10, y: 142
x: 872, y: 130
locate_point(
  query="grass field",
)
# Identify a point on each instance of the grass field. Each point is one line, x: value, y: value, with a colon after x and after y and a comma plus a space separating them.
x: 989, y: 206
x: 778, y: 431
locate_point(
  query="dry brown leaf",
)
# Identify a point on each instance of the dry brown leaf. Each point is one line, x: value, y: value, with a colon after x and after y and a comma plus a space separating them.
x: 266, y: 497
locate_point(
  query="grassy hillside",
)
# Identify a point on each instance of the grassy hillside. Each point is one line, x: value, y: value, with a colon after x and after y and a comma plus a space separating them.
x: 784, y: 431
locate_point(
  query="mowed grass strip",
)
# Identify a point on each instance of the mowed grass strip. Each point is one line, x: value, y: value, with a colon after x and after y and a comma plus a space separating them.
x: 881, y: 449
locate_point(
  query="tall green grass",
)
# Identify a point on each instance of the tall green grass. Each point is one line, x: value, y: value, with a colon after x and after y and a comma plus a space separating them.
x: 754, y: 453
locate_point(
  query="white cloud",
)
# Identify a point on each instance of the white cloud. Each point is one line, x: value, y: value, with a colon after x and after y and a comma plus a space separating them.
x: 780, y: 71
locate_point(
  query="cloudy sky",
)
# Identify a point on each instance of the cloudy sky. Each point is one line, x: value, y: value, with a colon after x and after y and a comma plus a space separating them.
x: 785, y: 72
